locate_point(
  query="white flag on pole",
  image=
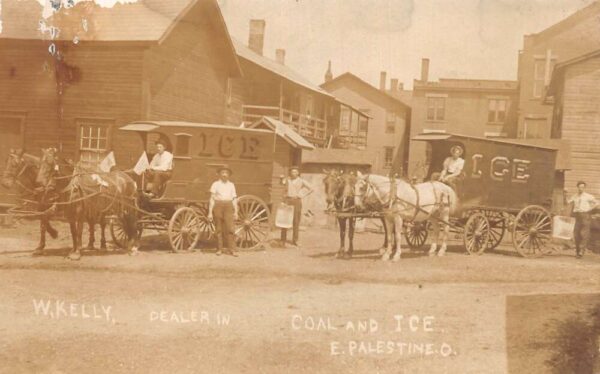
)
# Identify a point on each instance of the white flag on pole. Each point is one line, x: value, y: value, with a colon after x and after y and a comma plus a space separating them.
x: 108, y: 162
x: 142, y: 164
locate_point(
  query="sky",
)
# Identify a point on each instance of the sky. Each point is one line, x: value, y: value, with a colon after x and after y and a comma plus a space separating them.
x: 477, y: 39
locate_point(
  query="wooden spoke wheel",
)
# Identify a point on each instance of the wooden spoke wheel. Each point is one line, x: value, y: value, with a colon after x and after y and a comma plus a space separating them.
x: 206, y: 228
x: 253, y: 225
x: 415, y: 233
x: 476, y: 233
x: 532, y: 230
x: 118, y: 234
x: 184, y: 229
x: 497, y: 223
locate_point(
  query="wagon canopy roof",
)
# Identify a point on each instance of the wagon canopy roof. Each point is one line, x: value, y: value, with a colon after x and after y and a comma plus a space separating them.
x: 561, y: 146
x: 287, y: 133
x: 149, y: 126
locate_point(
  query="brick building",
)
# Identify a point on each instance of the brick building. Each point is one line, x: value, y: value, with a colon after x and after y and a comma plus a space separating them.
x: 575, y: 35
x: 472, y: 107
x: 389, y: 128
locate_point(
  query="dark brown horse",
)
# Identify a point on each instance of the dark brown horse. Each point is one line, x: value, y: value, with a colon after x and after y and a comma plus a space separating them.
x: 22, y: 171
x: 339, y: 189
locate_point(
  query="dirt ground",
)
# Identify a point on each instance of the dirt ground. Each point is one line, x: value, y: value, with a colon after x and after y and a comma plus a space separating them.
x: 296, y: 310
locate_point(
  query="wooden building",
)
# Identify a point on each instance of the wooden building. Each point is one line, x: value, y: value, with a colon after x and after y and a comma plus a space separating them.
x: 270, y: 88
x: 74, y: 78
x: 389, y: 127
x: 471, y: 107
x: 563, y: 41
x: 574, y: 93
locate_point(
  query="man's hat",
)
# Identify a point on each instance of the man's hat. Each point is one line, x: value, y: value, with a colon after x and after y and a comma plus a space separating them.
x: 161, y: 141
x: 295, y: 168
x: 224, y: 167
x: 457, y: 148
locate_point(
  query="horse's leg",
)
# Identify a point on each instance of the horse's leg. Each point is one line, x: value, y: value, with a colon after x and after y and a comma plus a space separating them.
x: 51, y: 230
x: 446, y: 230
x: 42, y: 242
x: 79, y: 220
x: 92, y: 236
x: 103, y: 232
x: 342, y: 227
x: 385, y: 236
x: 397, y: 237
x: 389, y: 233
x: 351, y: 225
x: 434, y: 238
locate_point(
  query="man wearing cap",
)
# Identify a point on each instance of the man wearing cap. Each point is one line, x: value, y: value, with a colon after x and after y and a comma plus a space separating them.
x: 160, y: 168
x: 453, y: 166
x: 583, y: 204
x: 223, y: 210
x: 297, y: 189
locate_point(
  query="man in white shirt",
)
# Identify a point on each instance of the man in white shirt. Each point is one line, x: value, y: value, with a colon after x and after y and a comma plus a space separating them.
x: 453, y: 166
x: 583, y: 204
x: 223, y: 210
x: 160, y: 168
x: 297, y: 189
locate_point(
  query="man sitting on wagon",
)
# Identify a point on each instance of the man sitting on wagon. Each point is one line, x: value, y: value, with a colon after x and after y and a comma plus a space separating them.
x: 453, y: 167
x: 160, y: 168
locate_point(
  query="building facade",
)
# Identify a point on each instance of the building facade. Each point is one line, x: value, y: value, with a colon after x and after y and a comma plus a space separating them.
x: 388, y: 128
x: 472, y: 107
x: 574, y: 95
x: 567, y: 39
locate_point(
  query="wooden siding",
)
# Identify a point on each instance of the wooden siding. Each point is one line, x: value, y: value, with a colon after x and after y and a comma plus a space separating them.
x: 187, y: 79
x: 581, y: 123
x: 28, y: 89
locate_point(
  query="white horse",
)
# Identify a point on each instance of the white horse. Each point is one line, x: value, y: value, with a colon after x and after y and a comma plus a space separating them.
x: 415, y: 203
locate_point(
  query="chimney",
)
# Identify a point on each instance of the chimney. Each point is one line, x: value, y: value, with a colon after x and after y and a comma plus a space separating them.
x: 280, y: 56
x: 394, y: 85
x: 328, y: 73
x: 400, y: 86
x: 256, y: 37
x: 424, y: 70
x: 382, y: 80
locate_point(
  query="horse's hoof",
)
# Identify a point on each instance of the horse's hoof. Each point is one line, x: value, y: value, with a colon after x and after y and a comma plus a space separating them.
x: 396, y: 258
x: 385, y: 258
x: 134, y: 252
x: 74, y: 256
x: 38, y: 252
x: 431, y: 254
x: 340, y: 254
x: 103, y: 246
x: 90, y: 247
x: 441, y: 254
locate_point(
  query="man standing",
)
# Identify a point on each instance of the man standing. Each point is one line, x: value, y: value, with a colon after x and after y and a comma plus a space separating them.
x: 223, y: 210
x: 583, y: 204
x: 453, y: 166
x: 297, y: 189
x: 160, y: 168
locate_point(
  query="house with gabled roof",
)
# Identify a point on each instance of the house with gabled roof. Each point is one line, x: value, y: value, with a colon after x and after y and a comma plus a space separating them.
x: 74, y: 78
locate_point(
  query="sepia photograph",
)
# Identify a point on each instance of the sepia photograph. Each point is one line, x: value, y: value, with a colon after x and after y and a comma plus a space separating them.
x: 300, y: 186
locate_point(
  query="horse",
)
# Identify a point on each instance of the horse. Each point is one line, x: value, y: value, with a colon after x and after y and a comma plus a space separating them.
x: 88, y: 197
x: 339, y: 190
x: 22, y: 171
x: 431, y: 200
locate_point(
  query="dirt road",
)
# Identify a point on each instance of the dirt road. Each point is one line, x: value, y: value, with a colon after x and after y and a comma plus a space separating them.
x: 281, y: 310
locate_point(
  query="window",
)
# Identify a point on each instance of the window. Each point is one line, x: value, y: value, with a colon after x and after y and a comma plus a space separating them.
x: 389, y: 157
x: 182, y: 145
x: 354, y: 123
x: 363, y: 123
x: 497, y: 110
x: 390, y: 123
x: 539, y: 76
x: 436, y: 108
x: 93, y: 141
x: 345, y: 119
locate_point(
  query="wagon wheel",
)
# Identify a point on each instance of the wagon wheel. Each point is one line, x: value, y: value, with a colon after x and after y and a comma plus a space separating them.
x: 118, y: 235
x: 253, y: 225
x: 206, y: 227
x: 497, y: 228
x: 183, y: 229
x: 532, y: 230
x: 476, y: 233
x: 416, y: 234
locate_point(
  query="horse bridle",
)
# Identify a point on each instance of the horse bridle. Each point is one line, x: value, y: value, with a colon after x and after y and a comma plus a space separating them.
x: 369, y: 186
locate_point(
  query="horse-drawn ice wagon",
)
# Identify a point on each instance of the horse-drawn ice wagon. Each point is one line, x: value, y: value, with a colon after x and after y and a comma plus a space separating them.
x: 257, y: 157
x: 503, y: 186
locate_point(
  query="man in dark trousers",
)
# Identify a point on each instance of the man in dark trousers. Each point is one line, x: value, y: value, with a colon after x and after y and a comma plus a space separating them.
x: 583, y: 204
x: 297, y: 189
x: 223, y: 210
